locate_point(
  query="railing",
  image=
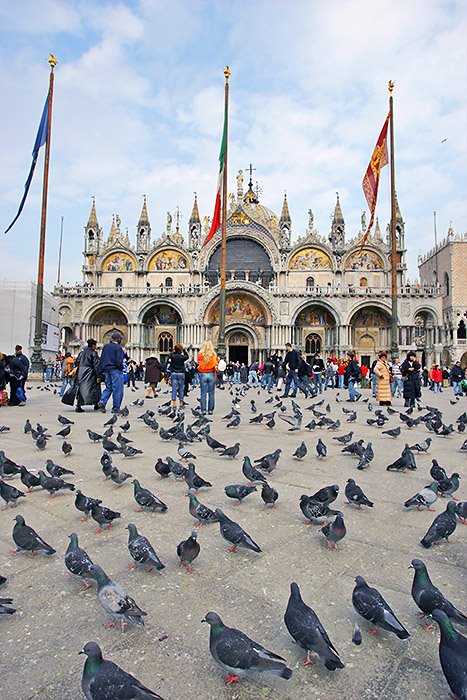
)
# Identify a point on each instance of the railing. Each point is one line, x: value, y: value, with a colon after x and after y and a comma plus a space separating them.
x: 275, y: 290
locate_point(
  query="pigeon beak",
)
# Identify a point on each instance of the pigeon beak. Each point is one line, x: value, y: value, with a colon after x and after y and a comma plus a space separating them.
x: 204, y: 620
x: 81, y: 652
x: 411, y: 567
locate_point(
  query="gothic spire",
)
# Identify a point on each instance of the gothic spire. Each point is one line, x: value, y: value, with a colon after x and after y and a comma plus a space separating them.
x: 143, y: 217
x: 194, y: 218
x: 92, y: 221
x: 338, y: 216
x: 397, y: 208
x: 377, y: 235
x: 285, y: 215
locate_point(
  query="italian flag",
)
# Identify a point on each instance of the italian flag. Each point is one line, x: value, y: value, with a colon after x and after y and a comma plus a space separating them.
x: 216, y: 219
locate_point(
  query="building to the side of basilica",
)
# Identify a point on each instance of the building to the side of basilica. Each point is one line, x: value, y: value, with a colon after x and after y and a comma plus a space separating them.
x: 324, y: 294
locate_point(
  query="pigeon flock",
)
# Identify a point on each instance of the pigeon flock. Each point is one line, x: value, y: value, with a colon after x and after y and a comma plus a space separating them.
x: 163, y: 516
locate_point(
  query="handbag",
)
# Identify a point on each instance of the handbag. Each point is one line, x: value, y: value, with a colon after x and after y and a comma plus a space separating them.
x: 69, y: 396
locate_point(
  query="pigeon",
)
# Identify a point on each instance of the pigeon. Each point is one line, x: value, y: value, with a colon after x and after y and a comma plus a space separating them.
x: 27, y: 426
x: 233, y: 533
x: 27, y: 539
x: 422, y: 446
x: 184, y: 454
x: 300, y: 452
x: 65, y: 432
x: 239, y: 491
x: 162, y: 468
x: 306, y: 629
x: 269, y: 495
x: 200, y: 512
x: 78, y: 562
x: 335, y: 531
x: 461, y: 511
x: 231, y: 452
x: 125, y: 426
x: 449, y: 486
x: 54, y: 484
x: 4, y: 609
x: 177, y: 469
x: 321, y: 449
x: 405, y: 461
x: 370, y: 604
x: 326, y: 495
x: 424, y: 498
x: 193, y: 480
x: 238, y: 654
x: 111, y: 420
x: 356, y: 448
x: 452, y: 655
x: 235, y: 422
x: 29, y: 480
x: 41, y: 443
x: 366, y: 457
x: 252, y: 474
x: 142, y: 550
x: 442, y: 526
x: 123, y: 440
x: 311, y: 425
x: 344, y: 439
x: 428, y: 598
x: 64, y: 421
x: 269, y: 462
x: 119, y: 476
x: 10, y: 494
x: 213, y: 443
x: 108, y: 433
x: 104, y: 680
x: 257, y: 419
x: 94, y: 437
x: 116, y: 602
x: 393, y: 432
x: 56, y: 470
x: 85, y: 503
x: 352, y: 417
x: 103, y: 516
x: 188, y: 550
x: 110, y: 446
x: 129, y: 451
x: 437, y: 472
x: 315, y: 512
x: 66, y: 448
x: 355, y: 495
x: 146, y: 499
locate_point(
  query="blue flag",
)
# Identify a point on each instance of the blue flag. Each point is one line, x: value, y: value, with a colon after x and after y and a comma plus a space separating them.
x: 41, y: 138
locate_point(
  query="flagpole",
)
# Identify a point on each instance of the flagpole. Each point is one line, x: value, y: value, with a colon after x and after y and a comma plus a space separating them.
x: 36, y: 358
x: 221, y: 348
x: 394, y: 325
x: 60, y: 253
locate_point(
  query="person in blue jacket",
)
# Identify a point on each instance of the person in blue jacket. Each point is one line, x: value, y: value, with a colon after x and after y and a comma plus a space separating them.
x: 112, y: 357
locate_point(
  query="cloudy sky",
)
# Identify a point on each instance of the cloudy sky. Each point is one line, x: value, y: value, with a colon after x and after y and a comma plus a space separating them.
x: 139, y: 101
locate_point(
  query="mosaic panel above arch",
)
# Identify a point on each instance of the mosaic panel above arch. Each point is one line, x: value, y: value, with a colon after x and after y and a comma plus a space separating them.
x: 168, y: 260
x: 240, y: 307
x: 310, y: 259
x: 162, y: 315
x: 371, y: 318
x: 365, y: 260
x: 314, y: 316
x: 118, y: 262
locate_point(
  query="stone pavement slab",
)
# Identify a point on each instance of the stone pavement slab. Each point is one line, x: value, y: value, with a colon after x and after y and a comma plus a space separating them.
x: 56, y: 617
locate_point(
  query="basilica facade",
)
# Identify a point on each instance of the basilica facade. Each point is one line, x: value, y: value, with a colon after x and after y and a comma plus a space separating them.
x: 324, y: 293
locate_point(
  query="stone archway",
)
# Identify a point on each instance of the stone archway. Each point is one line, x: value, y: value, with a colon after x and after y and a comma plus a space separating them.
x: 159, y: 323
x: 370, y: 331
x: 104, y: 321
x: 314, y: 326
x: 241, y: 344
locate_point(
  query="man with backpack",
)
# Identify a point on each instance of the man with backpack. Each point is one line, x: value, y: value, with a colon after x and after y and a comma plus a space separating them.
x: 292, y: 361
x: 353, y: 375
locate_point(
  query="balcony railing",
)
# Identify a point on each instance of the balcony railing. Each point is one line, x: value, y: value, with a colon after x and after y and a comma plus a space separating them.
x: 275, y: 290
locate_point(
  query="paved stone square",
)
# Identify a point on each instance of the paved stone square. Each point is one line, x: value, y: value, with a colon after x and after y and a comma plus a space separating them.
x: 56, y: 617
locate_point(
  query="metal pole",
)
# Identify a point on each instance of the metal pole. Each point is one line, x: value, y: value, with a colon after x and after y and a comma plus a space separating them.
x: 36, y: 359
x: 394, y: 325
x: 436, y: 245
x: 60, y: 252
x: 222, y: 298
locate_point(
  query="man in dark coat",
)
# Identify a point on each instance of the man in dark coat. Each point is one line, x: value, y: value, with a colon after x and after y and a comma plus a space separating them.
x: 410, y: 370
x: 152, y: 376
x: 88, y: 378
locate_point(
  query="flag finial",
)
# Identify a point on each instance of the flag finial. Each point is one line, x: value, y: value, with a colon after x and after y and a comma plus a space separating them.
x: 227, y: 72
x: 391, y: 86
x: 52, y: 60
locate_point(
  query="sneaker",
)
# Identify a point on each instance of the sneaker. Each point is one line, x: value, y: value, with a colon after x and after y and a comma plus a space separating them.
x: 78, y: 409
x: 358, y: 397
x: 101, y: 407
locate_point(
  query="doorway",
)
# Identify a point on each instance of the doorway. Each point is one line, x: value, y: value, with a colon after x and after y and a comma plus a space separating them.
x: 366, y: 360
x: 238, y: 353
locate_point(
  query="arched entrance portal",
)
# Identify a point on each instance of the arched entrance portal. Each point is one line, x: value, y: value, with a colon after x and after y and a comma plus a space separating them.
x: 159, y: 330
x: 370, y: 331
x: 104, y: 322
x: 240, y: 346
x: 315, y: 329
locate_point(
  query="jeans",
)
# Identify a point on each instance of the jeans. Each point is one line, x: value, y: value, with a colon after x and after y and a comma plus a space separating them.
x: 195, y: 380
x: 292, y: 377
x: 437, y: 387
x: 318, y: 382
x: 329, y: 381
x: 267, y: 381
x: 67, y: 381
x: 253, y: 378
x: 48, y: 374
x: 306, y: 383
x: 207, y: 382
x: 353, y: 393
x: 457, y: 388
x: 373, y: 385
x: 113, y: 388
x: 236, y: 377
x: 178, y: 385
x: 340, y: 381
x: 397, y: 387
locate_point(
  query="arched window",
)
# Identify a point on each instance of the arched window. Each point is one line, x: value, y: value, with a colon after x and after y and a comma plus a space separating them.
x: 168, y: 282
x: 310, y: 282
x: 461, y: 330
x: 118, y: 283
x: 312, y: 344
x: 446, y: 282
x: 166, y: 342
x: 363, y: 282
